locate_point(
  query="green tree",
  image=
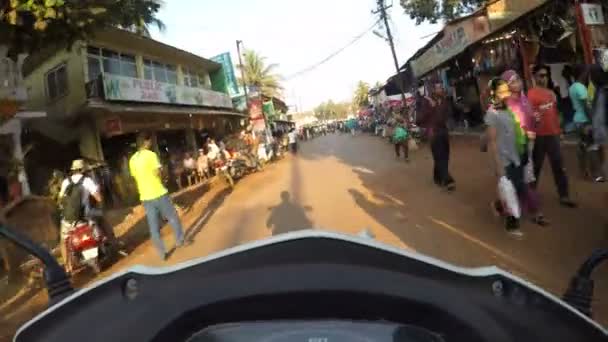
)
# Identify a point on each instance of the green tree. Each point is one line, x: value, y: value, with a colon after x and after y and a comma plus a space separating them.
x: 360, y: 98
x: 435, y: 10
x: 332, y: 110
x: 30, y: 25
x: 257, y: 73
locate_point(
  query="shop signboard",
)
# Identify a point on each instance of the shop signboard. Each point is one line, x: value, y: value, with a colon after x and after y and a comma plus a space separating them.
x: 256, y: 115
x: 226, y: 61
x: 113, y: 126
x: 504, y: 12
x: 121, y: 88
x: 456, y: 38
x: 593, y: 14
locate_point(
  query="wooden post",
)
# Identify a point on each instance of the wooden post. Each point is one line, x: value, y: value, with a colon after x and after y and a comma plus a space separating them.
x: 584, y: 34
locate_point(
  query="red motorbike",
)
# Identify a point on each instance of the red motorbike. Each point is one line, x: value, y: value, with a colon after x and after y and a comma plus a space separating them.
x: 88, y: 246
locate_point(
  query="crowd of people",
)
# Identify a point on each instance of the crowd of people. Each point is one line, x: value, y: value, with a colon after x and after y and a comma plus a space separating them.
x: 522, y: 129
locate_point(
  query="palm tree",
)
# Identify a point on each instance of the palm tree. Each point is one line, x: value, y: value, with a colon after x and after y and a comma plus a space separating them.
x: 145, y: 17
x: 256, y: 73
x: 361, y: 95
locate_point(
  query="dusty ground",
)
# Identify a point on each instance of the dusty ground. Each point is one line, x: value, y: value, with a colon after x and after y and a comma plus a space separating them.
x: 345, y: 183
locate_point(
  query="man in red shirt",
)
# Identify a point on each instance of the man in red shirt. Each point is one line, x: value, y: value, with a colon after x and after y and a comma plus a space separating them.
x: 548, y: 131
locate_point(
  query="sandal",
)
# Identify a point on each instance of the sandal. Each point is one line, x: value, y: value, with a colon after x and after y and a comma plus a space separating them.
x: 540, y: 220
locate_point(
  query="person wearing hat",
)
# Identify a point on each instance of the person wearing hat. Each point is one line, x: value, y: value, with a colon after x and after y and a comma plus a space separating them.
x: 71, y: 214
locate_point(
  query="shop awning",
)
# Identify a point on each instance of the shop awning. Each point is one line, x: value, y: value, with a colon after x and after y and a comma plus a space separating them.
x: 96, y: 105
x: 461, y: 33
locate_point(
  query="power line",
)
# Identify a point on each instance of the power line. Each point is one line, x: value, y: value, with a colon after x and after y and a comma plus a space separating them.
x: 332, y: 55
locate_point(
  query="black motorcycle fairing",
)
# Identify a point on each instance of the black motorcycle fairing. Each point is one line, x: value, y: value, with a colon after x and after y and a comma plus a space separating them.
x: 312, y: 275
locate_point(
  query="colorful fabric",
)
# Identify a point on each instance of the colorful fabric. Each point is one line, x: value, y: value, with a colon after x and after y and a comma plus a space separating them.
x: 523, y: 110
x: 400, y: 134
x: 520, y: 135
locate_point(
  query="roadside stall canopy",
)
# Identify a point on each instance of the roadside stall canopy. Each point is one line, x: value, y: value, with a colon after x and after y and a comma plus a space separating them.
x: 459, y: 34
x: 365, y: 112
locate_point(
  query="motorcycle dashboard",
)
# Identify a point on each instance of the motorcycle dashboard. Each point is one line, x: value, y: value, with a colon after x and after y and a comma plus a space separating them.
x: 314, y: 331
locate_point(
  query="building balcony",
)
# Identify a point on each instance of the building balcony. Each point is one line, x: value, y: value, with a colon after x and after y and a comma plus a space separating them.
x: 12, y: 87
x: 114, y: 88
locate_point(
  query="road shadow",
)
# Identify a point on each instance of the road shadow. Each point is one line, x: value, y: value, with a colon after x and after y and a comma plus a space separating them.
x: 459, y: 227
x: 215, y: 203
x: 287, y: 216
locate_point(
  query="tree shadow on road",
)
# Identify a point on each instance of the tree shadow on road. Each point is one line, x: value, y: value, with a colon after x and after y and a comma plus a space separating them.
x: 287, y: 216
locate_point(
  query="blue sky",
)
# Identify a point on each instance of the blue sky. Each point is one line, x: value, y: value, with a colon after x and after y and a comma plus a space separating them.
x: 295, y: 35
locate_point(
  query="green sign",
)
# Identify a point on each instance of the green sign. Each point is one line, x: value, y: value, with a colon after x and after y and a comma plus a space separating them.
x: 226, y: 62
x: 268, y: 108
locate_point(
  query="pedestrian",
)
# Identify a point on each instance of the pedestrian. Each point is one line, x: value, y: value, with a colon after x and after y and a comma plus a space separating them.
x: 292, y: 136
x: 190, y: 168
x: 4, y: 193
x: 520, y: 106
x: 400, y: 139
x: 145, y: 167
x: 588, y: 151
x: 212, y: 150
x: 202, y: 164
x: 433, y: 115
x: 75, y: 196
x: 506, y: 143
x: 547, y: 128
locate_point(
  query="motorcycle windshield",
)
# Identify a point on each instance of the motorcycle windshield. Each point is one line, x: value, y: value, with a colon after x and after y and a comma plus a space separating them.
x: 314, y: 275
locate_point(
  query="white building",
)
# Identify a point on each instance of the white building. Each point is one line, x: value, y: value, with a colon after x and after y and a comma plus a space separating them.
x: 13, y: 94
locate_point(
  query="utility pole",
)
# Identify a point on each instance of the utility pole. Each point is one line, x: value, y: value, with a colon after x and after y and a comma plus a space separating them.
x: 238, y: 50
x: 382, y: 10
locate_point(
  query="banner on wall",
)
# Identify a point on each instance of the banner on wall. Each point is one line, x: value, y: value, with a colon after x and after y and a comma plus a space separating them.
x: 256, y: 114
x: 121, y: 88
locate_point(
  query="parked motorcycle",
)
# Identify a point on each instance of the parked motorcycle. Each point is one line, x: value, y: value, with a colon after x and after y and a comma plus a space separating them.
x: 88, y: 246
x: 221, y: 168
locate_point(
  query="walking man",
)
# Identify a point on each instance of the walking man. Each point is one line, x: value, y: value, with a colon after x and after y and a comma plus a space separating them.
x: 547, y: 127
x: 435, y: 112
x: 145, y: 167
x: 293, y: 141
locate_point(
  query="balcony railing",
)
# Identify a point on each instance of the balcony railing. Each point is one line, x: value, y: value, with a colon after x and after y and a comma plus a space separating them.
x: 121, y: 88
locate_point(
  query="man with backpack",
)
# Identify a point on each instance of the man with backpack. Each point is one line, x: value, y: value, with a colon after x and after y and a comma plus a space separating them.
x: 75, y: 199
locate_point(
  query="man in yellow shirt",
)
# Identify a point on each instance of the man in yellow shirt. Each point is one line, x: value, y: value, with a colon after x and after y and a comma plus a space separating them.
x: 145, y: 167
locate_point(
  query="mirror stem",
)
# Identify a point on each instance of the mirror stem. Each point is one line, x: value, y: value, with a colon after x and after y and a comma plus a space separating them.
x: 57, y: 281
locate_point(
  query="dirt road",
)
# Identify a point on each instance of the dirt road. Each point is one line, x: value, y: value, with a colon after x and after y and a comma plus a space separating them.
x: 347, y: 184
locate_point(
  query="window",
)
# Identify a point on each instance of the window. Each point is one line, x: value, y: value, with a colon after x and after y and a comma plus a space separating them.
x: 205, y: 81
x: 190, y: 79
x: 160, y: 72
x: 148, y: 70
x: 108, y: 61
x: 57, y: 82
x: 194, y: 79
x: 171, y: 74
